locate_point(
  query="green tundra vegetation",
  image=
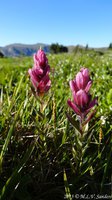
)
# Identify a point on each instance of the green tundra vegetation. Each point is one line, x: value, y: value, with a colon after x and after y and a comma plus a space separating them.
x: 41, y: 153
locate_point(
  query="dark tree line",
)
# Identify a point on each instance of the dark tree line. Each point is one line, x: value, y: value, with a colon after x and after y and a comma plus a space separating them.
x: 110, y: 46
x: 57, y: 48
x: 1, y: 55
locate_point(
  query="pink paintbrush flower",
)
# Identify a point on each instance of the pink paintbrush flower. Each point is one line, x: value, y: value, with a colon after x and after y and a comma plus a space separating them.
x: 82, y: 100
x: 39, y: 74
x: 40, y: 58
x: 82, y: 103
x: 82, y: 81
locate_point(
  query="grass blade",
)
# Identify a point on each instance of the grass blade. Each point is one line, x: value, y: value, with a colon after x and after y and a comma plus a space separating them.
x: 67, y: 189
x: 12, y: 182
x: 7, y: 140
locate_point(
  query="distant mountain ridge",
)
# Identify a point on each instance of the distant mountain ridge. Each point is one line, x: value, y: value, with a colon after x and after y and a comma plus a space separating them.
x: 18, y: 49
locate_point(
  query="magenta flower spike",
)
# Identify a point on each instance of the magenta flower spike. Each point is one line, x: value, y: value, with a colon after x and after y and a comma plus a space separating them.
x: 40, y: 58
x: 82, y: 81
x: 82, y: 100
x: 39, y: 74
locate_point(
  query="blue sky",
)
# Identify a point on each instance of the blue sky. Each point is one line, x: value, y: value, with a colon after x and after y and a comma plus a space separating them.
x: 68, y: 22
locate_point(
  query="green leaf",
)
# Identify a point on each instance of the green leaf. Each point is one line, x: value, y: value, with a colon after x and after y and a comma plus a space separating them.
x: 73, y: 122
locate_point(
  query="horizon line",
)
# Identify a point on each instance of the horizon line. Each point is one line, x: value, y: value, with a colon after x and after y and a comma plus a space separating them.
x: 42, y: 43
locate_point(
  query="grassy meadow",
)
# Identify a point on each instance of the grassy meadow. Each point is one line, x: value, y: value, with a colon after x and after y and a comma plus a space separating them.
x: 42, y: 154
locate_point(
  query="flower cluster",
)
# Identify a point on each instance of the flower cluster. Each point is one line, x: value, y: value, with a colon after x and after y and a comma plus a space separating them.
x: 39, y: 74
x: 82, y: 100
